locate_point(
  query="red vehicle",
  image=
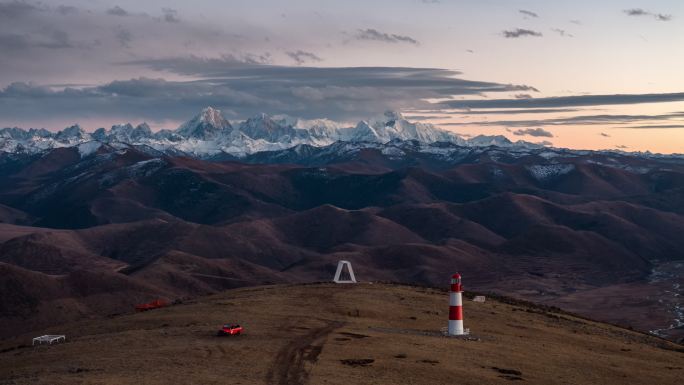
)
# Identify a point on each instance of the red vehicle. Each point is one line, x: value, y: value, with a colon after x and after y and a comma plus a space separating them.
x: 230, y: 330
x: 156, y: 304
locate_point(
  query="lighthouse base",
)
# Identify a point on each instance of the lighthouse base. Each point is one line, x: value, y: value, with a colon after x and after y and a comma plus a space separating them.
x: 445, y: 333
x: 455, y: 328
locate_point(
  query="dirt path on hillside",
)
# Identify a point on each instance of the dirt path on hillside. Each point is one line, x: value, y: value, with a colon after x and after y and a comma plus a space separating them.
x: 290, y: 364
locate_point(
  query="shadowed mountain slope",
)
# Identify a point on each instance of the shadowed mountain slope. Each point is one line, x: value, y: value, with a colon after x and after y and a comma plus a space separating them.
x: 539, y: 224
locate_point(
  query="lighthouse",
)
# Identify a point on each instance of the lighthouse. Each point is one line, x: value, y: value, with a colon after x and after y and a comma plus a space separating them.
x: 456, y: 306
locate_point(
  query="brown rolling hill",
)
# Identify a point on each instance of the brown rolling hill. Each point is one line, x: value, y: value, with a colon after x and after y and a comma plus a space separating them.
x: 340, y: 334
x: 148, y: 225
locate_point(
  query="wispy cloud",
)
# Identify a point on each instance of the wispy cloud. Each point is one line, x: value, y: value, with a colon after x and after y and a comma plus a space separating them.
x: 54, y: 40
x: 522, y: 96
x: 643, y: 12
x: 117, y: 11
x: 38, y: 40
x: 520, y: 32
x: 566, y: 101
x: 14, y: 9
x: 300, y: 57
x: 422, y: 117
x: 66, y: 9
x: 662, y: 17
x: 514, y: 111
x: 528, y: 13
x: 587, y: 120
x: 537, y: 132
x: 636, y: 12
x: 562, y: 32
x: 170, y: 15
x: 657, y: 126
x: 375, y: 35
x: 124, y: 36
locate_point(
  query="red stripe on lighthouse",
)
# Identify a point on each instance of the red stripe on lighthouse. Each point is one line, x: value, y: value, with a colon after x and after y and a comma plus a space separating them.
x: 455, y: 313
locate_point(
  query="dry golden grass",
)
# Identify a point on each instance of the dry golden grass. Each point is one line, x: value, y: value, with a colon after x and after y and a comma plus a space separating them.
x: 342, y: 334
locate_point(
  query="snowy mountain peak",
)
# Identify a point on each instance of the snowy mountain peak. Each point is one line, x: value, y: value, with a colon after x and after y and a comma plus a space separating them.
x: 17, y: 133
x: 494, y: 140
x: 262, y: 117
x: 124, y: 133
x: 264, y: 127
x: 211, y: 115
x: 207, y: 125
x: 139, y: 132
x: 144, y: 127
x: 122, y: 127
x: 13, y: 133
x: 74, y: 132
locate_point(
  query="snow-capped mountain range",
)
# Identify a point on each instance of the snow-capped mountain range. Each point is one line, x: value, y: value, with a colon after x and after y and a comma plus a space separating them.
x: 210, y: 134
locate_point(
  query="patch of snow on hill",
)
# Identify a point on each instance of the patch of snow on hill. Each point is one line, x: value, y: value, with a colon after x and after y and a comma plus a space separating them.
x: 88, y: 148
x: 615, y: 164
x: 547, y: 171
x: 393, y: 152
x: 549, y: 154
x: 496, y: 172
x: 145, y: 167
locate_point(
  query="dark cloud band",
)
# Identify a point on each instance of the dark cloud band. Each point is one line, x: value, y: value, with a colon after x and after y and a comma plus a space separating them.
x: 248, y: 88
x: 566, y: 101
x: 585, y: 120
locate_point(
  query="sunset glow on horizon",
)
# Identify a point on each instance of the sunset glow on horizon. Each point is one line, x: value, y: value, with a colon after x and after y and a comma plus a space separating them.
x: 577, y: 74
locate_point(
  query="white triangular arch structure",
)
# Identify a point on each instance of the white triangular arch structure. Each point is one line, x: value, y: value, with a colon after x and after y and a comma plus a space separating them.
x: 340, y: 267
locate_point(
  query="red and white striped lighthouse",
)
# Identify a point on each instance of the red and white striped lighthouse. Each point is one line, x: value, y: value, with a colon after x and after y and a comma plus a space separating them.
x: 456, y: 306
